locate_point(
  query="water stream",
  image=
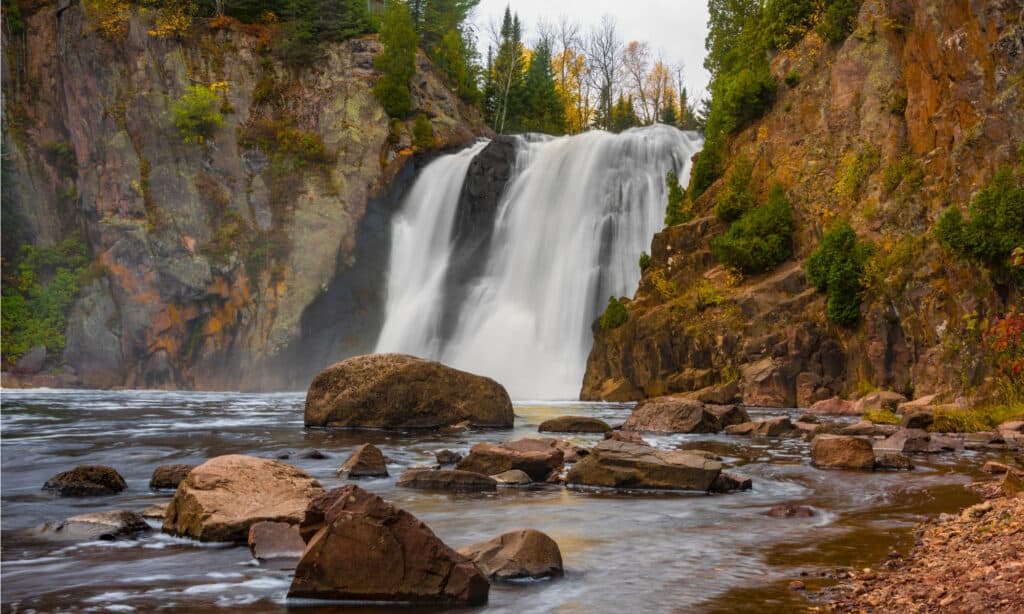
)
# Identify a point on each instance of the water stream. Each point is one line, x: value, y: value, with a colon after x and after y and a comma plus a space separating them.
x: 623, y: 552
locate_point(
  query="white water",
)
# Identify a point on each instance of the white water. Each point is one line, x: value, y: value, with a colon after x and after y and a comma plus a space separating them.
x: 575, y: 216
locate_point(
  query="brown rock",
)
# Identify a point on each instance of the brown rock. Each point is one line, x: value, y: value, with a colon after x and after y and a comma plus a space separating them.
x: 226, y: 495
x: 275, y: 540
x: 797, y: 585
x: 86, y: 481
x: 169, y: 476
x: 570, y: 451
x: 916, y: 441
x: 574, y: 424
x: 99, y: 525
x: 834, y: 407
x: 514, y: 477
x: 677, y: 414
x: 997, y: 468
x: 842, y: 452
x: 722, y: 394
x: 525, y: 553
x: 536, y: 460
x: 789, y: 510
x: 772, y: 427
x: 156, y: 511
x: 866, y: 428
x: 618, y: 464
x: 919, y: 403
x: 365, y: 549
x: 892, y: 460
x: 627, y: 436
x: 446, y: 479
x: 399, y: 391
x: 765, y: 384
x: 918, y: 418
x: 447, y: 457
x: 879, y: 399
x: 1012, y: 484
x: 367, y: 461
x: 728, y: 482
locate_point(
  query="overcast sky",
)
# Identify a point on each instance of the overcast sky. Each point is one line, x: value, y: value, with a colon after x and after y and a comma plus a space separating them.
x: 673, y: 28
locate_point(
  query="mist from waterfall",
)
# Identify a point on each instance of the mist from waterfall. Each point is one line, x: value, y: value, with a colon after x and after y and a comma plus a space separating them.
x: 568, y: 232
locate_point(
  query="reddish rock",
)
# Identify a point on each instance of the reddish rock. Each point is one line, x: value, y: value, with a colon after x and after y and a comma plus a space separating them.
x: 514, y: 477
x: 167, y: 477
x: 677, y: 414
x: 618, y: 464
x: 86, y: 481
x: 834, y: 407
x: 447, y: 457
x: 728, y: 482
x: 275, y: 540
x: 105, y: 526
x: 892, y: 460
x: 446, y: 479
x: 879, y: 399
x: 772, y: 427
x: 789, y: 510
x: 574, y: 424
x: 842, y: 452
x: 525, y: 553
x: 399, y: 391
x: 536, y: 460
x: 627, y: 436
x: 917, y: 441
x: 367, y: 461
x: 361, y: 548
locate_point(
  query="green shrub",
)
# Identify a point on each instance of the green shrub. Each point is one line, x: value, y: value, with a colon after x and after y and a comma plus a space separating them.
x: 894, y: 174
x: 975, y: 419
x: 784, y: 22
x: 197, y: 114
x: 737, y: 197
x: 423, y: 132
x: 792, y: 78
x: 645, y: 261
x: 761, y: 239
x: 995, y: 227
x: 706, y: 168
x: 839, y: 19
x: 836, y: 266
x: 397, y: 61
x: 881, y: 416
x: 614, y: 314
x: 677, y: 211
x: 38, y: 293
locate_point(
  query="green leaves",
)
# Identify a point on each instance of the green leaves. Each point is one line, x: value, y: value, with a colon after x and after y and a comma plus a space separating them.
x: 197, y: 114
x: 836, y: 266
x: 677, y: 211
x: 614, y: 314
x: 397, y: 61
x: 761, y: 239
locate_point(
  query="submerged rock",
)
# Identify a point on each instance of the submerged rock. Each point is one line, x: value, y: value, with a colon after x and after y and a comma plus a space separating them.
x: 167, y: 477
x: 574, y: 424
x: 728, y: 482
x: 447, y: 457
x: 536, y: 460
x: 361, y: 548
x: 452, y: 480
x: 842, y: 452
x: 892, y: 460
x: 917, y: 441
x: 99, y: 525
x: 526, y: 553
x: 514, y: 477
x: 275, y: 540
x: 772, y: 427
x: 627, y: 436
x: 789, y: 510
x: 226, y: 495
x: 86, y: 481
x: 675, y: 414
x: 618, y: 464
x: 399, y: 391
x: 367, y: 461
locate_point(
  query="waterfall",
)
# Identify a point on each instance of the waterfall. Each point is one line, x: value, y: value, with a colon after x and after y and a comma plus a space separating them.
x: 567, y: 233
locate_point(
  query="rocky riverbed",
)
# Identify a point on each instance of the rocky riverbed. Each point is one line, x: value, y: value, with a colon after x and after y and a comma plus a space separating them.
x: 620, y: 549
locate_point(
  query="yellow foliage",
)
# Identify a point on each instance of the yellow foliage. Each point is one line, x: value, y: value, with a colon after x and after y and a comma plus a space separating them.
x: 109, y: 17
x: 665, y: 288
x: 174, y: 19
x: 570, y: 68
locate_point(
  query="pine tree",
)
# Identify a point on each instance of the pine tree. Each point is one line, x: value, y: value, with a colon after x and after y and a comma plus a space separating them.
x: 668, y: 114
x: 544, y: 111
x: 509, y: 76
x: 397, y: 61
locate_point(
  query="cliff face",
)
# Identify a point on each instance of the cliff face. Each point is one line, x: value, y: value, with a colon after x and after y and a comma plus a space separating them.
x: 914, y: 112
x: 209, y: 257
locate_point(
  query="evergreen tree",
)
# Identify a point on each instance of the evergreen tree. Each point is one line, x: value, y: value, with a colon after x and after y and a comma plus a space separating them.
x: 624, y: 115
x: 668, y: 114
x: 397, y: 61
x: 509, y: 78
x: 544, y: 110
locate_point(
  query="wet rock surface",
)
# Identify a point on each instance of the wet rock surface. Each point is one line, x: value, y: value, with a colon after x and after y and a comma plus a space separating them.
x: 167, y: 477
x: 574, y: 424
x: 526, y: 553
x: 367, y: 461
x: 617, y: 464
x: 98, y: 525
x: 842, y: 452
x: 452, y: 480
x: 682, y: 415
x: 275, y: 540
x: 538, y: 460
x: 86, y: 481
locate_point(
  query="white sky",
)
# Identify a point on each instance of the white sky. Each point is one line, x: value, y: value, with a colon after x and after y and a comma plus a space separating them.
x: 674, y: 29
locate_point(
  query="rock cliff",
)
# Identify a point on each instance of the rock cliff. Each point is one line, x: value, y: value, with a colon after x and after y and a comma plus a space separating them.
x: 916, y: 111
x: 216, y: 264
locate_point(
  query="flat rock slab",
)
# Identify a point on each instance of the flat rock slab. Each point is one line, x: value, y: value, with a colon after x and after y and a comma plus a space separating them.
x: 226, y: 495
x: 514, y: 477
x: 367, y: 461
x: 675, y: 414
x: 447, y: 457
x: 574, y: 424
x: 86, y: 481
x: 452, y: 480
x: 835, y: 407
x: 399, y: 391
x: 99, y: 525
x: 772, y: 427
x: 167, y: 477
x: 842, y: 452
x: 275, y: 540
x: 917, y: 441
x: 526, y: 553
x: 361, y: 548
x: 538, y: 460
x: 618, y: 464
x: 156, y: 512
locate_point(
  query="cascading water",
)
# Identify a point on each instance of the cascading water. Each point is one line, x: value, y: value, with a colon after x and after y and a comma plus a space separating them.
x: 569, y: 229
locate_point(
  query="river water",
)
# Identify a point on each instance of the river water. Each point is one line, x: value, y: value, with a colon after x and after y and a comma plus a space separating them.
x: 622, y: 552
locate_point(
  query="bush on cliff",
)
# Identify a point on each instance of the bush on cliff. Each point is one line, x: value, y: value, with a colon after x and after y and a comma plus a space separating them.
x: 677, y: 211
x: 995, y: 226
x: 397, y: 61
x: 422, y: 132
x: 761, y: 239
x: 614, y: 314
x: 839, y: 19
x: 836, y: 266
x: 197, y: 114
x: 737, y: 197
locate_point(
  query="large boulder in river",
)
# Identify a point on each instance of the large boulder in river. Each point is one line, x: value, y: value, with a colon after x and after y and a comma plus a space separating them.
x: 98, y: 525
x: 361, y: 548
x: 538, y: 460
x: 224, y: 496
x: 574, y: 424
x: 834, y: 407
x: 367, y: 461
x: 86, y: 481
x: 842, y: 452
x: 275, y: 540
x: 451, y: 480
x: 918, y: 441
x: 399, y: 391
x: 167, y: 477
x: 618, y: 464
x: 526, y: 553
x: 675, y: 414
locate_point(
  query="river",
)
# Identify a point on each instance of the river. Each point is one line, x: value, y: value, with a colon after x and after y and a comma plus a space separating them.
x: 623, y: 552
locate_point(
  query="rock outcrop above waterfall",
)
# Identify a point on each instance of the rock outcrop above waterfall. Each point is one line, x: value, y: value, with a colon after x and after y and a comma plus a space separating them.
x: 916, y: 111
x: 399, y: 391
x: 211, y: 262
